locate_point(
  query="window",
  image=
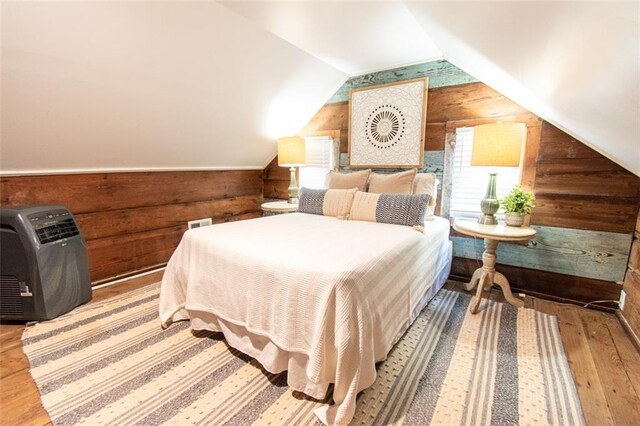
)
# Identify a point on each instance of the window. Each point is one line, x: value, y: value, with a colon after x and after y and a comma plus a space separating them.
x: 469, y: 183
x: 319, y: 162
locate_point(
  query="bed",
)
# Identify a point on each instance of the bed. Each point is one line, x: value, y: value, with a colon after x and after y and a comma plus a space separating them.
x: 320, y: 297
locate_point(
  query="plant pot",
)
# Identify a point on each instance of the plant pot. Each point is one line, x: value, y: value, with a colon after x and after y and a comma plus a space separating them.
x: 514, y: 219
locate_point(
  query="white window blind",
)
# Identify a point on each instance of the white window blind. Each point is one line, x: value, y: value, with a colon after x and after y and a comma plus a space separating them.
x: 318, y: 164
x: 469, y: 183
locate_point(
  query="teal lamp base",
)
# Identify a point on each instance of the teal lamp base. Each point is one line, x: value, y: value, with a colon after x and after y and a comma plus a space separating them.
x: 489, y: 204
x: 293, y: 187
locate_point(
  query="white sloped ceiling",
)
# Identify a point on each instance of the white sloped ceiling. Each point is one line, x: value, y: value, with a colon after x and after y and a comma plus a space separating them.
x: 188, y: 85
x: 133, y: 85
x: 575, y: 64
x: 352, y: 36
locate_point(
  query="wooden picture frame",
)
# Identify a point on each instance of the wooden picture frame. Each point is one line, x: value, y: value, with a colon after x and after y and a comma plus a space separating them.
x: 387, y: 124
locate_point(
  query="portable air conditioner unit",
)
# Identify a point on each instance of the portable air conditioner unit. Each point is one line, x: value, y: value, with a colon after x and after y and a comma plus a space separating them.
x: 43, y: 263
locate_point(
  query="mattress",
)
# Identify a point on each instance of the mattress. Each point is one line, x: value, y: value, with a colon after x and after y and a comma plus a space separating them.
x: 320, y: 297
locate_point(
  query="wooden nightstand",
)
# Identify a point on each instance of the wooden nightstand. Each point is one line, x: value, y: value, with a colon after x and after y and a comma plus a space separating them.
x: 278, y: 207
x: 486, y: 276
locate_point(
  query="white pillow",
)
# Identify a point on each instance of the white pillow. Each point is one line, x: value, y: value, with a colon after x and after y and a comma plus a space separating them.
x: 427, y: 183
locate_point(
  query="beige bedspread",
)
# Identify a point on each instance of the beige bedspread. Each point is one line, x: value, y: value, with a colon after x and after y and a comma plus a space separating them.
x: 321, y: 297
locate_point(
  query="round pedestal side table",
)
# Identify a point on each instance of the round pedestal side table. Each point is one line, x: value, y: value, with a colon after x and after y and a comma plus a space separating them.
x: 487, y: 276
x: 278, y: 207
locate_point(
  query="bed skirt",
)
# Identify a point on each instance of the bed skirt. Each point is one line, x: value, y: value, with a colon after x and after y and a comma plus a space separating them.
x: 276, y: 360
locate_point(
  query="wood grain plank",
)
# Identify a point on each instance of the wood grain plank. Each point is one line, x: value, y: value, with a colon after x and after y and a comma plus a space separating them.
x: 612, y: 214
x: 24, y: 411
x: 275, y: 172
x: 577, y: 187
x: 586, y: 177
x: 9, y: 335
x: 469, y: 101
x: 12, y: 360
x: 245, y: 216
x: 631, y: 313
x: 344, y: 140
x: 582, y: 253
x: 434, y: 136
x: 627, y: 352
x: 622, y: 399
x: 531, y: 120
x: 634, y: 255
x: 127, y: 221
x: 118, y: 255
x: 584, y: 370
x: 12, y: 384
x: 114, y: 256
x: 631, y: 310
x: 529, y: 166
x: 89, y: 193
x: 112, y: 207
x: 441, y: 73
x: 276, y: 189
x: 632, y: 287
x: 330, y: 117
x: 546, y: 306
x: 632, y: 277
x: 560, y: 145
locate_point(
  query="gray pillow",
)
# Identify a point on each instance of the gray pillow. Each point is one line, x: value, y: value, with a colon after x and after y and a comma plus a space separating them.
x: 401, y: 209
x: 311, y: 201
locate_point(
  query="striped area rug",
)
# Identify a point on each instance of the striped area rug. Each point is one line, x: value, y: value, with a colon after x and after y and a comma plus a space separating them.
x: 111, y: 363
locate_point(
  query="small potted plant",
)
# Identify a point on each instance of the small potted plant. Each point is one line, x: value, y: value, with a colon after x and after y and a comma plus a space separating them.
x: 516, y: 205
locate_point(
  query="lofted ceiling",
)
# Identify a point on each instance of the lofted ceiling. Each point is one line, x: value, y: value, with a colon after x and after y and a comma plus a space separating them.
x: 110, y: 86
x: 189, y: 85
x: 354, y: 37
x: 575, y: 64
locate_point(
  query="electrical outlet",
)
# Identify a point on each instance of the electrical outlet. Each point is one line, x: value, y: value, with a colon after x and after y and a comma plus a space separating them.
x: 199, y: 223
x: 623, y: 298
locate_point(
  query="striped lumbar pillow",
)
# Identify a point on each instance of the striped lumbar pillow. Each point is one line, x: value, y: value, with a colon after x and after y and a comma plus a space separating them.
x: 396, y: 209
x: 327, y: 202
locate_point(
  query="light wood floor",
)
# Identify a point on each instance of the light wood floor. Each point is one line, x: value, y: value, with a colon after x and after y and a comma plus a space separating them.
x: 603, y: 360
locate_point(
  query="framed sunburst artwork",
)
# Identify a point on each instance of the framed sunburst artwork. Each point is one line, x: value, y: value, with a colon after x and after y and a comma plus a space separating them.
x: 387, y: 124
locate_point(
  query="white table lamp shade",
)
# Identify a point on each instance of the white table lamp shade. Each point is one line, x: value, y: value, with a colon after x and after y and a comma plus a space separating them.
x: 291, y: 151
x: 498, y: 144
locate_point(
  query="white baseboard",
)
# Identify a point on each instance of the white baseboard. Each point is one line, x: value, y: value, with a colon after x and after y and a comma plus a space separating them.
x: 127, y: 278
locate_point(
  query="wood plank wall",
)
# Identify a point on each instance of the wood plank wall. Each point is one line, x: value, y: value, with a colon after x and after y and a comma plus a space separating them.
x: 276, y: 181
x: 631, y: 311
x: 576, y: 187
x: 134, y: 221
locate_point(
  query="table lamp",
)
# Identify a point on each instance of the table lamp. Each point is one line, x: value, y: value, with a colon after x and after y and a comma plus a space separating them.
x: 497, y: 145
x: 292, y: 153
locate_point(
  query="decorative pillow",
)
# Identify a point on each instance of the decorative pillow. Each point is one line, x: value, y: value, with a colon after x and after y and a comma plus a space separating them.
x: 337, y: 180
x: 327, y: 202
x: 392, y: 183
x: 426, y: 183
x: 399, y: 209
